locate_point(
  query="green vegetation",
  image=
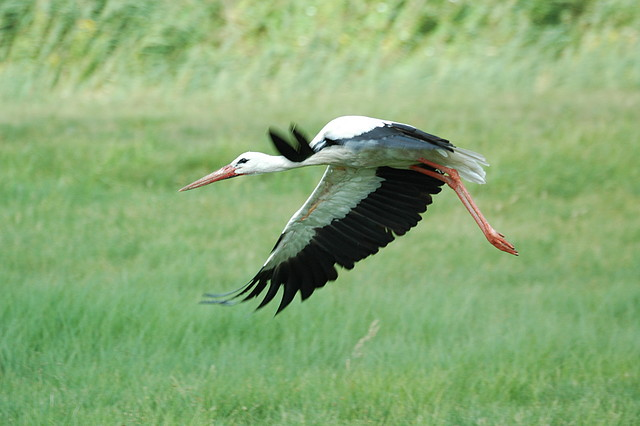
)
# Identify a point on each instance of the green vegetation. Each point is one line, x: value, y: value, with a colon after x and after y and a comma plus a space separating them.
x: 109, y: 107
x: 242, y: 48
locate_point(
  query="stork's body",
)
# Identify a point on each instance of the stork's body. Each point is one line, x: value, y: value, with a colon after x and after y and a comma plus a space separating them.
x: 380, y: 178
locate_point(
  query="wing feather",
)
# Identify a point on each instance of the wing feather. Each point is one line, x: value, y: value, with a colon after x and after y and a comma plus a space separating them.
x: 297, y: 151
x: 351, y: 215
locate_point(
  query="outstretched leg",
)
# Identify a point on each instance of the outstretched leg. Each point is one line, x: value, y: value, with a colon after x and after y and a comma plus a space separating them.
x: 452, y: 178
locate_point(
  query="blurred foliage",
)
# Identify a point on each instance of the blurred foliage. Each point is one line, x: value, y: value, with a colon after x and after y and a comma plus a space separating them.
x: 554, y: 12
x: 190, y: 45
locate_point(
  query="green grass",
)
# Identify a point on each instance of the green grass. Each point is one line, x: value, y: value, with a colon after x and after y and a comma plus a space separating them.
x: 104, y: 263
x: 285, y: 49
x: 107, y: 108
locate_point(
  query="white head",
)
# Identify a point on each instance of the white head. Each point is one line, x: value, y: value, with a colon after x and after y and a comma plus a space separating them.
x: 249, y: 163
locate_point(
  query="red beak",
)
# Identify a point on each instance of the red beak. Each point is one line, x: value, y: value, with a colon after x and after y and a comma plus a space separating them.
x: 224, y: 173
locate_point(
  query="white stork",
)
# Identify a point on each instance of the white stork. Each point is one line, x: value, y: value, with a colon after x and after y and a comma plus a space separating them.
x: 381, y: 175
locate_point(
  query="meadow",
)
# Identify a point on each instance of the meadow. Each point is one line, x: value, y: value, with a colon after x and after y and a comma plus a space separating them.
x: 104, y: 262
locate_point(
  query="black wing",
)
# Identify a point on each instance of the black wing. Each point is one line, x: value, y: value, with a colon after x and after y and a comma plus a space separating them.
x: 399, y: 130
x: 297, y: 151
x: 305, y: 256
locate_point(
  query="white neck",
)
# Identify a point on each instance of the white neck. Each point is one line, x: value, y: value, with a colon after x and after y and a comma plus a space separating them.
x: 253, y: 163
x: 278, y: 163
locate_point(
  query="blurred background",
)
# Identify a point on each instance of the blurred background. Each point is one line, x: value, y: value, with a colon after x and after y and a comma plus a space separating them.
x: 285, y: 49
x: 107, y: 107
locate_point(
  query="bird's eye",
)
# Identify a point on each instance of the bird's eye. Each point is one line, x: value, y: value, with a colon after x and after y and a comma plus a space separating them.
x: 242, y: 161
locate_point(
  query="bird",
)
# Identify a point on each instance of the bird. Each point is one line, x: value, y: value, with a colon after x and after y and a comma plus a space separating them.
x: 381, y: 175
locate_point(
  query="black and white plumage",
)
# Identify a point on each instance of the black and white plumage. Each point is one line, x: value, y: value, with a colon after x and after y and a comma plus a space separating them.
x: 381, y: 176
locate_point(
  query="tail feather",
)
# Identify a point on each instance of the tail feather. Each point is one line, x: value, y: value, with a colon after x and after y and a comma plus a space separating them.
x: 469, y: 164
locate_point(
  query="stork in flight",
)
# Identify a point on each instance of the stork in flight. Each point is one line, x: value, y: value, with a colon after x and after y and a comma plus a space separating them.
x: 381, y: 175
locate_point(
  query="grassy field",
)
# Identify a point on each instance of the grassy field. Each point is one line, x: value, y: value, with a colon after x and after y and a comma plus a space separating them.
x: 104, y: 262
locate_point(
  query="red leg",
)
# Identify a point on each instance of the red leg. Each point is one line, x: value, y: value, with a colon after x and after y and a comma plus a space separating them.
x: 452, y: 178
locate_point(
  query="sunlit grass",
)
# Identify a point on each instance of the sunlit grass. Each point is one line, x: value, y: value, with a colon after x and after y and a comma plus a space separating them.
x: 286, y: 50
x: 104, y: 263
x: 109, y: 107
